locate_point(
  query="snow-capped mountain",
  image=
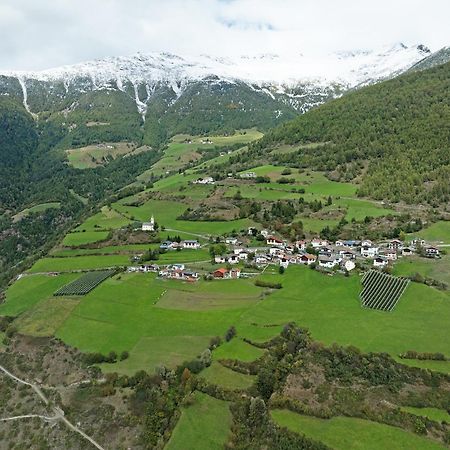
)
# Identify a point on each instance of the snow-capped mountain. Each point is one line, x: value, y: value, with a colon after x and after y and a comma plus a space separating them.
x: 272, y: 74
x: 196, y: 94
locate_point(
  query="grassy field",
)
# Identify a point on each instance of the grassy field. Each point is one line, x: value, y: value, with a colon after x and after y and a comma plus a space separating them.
x: 438, y: 269
x: 44, y: 318
x: 79, y: 263
x: 35, y: 209
x: 99, y: 154
x: 152, y: 351
x: 166, y: 213
x: 438, y: 415
x: 330, y: 308
x: 204, y: 425
x: 238, y: 349
x: 106, y: 219
x: 130, y: 249
x: 184, y: 149
x: 345, y: 433
x: 136, y: 312
x: 437, y: 366
x: 123, y: 313
x: 80, y: 238
x: 227, y: 378
x: 438, y: 232
x: 25, y: 293
x: 212, y: 295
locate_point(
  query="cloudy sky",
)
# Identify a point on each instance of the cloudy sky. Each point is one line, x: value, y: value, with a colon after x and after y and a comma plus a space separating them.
x: 38, y: 34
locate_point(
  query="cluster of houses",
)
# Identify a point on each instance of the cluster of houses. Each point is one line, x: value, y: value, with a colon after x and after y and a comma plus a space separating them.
x: 341, y: 253
x: 189, y: 244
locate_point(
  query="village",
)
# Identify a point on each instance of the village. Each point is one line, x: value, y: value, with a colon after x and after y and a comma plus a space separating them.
x: 236, y: 253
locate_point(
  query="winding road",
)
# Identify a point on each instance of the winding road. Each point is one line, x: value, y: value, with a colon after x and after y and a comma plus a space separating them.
x: 59, y: 413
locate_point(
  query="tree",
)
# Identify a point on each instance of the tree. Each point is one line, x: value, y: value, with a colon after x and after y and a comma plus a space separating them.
x: 231, y: 332
x: 205, y: 357
x: 185, y: 375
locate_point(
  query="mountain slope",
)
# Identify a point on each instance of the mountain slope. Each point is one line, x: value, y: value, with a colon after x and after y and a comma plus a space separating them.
x: 399, y: 127
x: 194, y: 94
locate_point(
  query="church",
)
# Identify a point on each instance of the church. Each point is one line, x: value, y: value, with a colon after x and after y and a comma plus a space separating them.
x: 149, y: 226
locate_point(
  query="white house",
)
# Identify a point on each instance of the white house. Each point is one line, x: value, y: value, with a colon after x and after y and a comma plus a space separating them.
x: 390, y: 254
x: 307, y: 259
x: 301, y: 245
x: 248, y: 175
x: 395, y: 244
x: 328, y: 262
x: 380, y: 262
x: 206, y: 180
x: 272, y: 240
x: 275, y: 251
x: 432, y: 252
x: 264, y: 233
x: 231, y: 240
x: 417, y: 242
x: 243, y: 256
x: 220, y: 259
x: 317, y: 242
x: 149, y: 226
x: 366, y: 243
x: 407, y: 251
x: 369, y: 251
x: 261, y: 259
x: 284, y: 262
x: 191, y: 244
x: 232, y: 259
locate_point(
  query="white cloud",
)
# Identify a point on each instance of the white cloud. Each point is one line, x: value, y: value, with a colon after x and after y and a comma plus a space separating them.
x: 36, y: 34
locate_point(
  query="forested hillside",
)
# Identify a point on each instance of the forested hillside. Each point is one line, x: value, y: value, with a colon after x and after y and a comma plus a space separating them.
x: 32, y: 173
x: 395, y: 134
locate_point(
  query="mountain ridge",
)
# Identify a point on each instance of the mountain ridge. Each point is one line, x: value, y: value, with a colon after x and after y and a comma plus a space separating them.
x: 293, y: 79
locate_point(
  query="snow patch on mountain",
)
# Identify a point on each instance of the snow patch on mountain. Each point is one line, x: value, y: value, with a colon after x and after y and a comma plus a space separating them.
x: 271, y: 74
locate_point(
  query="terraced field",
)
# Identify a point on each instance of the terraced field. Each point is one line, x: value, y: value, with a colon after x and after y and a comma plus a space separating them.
x: 344, y: 433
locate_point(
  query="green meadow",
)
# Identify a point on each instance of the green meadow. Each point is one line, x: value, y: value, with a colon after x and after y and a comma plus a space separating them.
x: 32, y: 289
x: 184, y: 149
x: 438, y: 415
x: 79, y: 263
x: 153, y: 318
x: 36, y: 209
x: 345, y: 433
x: 438, y: 269
x: 438, y: 232
x: 227, y: 378
x: 79, y: 238
x: 106, y: 219
x: 203, y: 425
x: 167, y: 211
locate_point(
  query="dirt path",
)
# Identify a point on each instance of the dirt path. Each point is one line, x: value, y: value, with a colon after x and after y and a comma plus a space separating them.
x: 59, y: 413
